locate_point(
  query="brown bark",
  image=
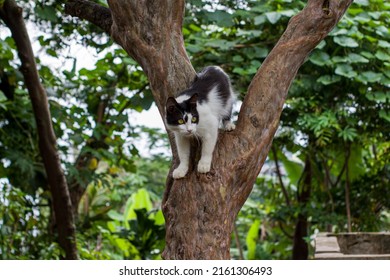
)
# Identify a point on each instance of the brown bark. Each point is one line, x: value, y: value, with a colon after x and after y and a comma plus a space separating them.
x: 200, y: 209
x: 11, y: 14
x: 94, y: 13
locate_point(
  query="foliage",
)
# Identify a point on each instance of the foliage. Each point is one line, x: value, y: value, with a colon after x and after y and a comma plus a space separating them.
x: 23, y: 226
x: 337, y: 115
x: 137, y: 232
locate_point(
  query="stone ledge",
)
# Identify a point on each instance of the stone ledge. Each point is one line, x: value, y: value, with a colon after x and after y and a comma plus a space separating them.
x: 341, y: 256
x: 352, y: 246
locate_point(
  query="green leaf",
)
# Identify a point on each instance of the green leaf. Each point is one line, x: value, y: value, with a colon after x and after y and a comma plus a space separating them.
x: 367, y: 54
x: 222, y: 18
x: 47, y: 13
x: 384, y: 44
x: 339, y: 59
x: 2, y: 97
x: 321, y: 45
x: 138, y: 200
x: 220, y: 44
x: 339, y: 31
x: 195, y: 28
x: 239, y: 70
x: 261, y: 52
x: 345, y: 70
x: 362, y: 2
x: 238, y: 58
x: 251, y: 239
x: 52, y: 53
x: 258, y: 20
x: 378, y: 96
x: 319, y: 58
x: 288, y: 13
x: 356, y: 163
x: 382, y: 31
x: 328, y: 79
x: 192, y: 48
x: 293, y: 168
x: 345, y: 41
x: 273, y: 17
x: 140, y: 103
x: 357, y: 58
x: 384, y: 115
x: 348, y: 134
x: 249, y: 33
x: 114, y: 215
x: 159, y: 218
x: 382, y: 55
x: 370, y: 77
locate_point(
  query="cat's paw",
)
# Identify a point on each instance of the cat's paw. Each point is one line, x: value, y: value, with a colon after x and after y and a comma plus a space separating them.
x: 230, y: 126
x: 179, y: 172
x: 204, y: 167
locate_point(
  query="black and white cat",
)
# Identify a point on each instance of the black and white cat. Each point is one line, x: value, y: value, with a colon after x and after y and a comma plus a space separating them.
x: 197, y: 112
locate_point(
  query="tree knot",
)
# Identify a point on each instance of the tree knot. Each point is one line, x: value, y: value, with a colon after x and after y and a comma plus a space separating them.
x: 327, y: 11
x: 255, y: 121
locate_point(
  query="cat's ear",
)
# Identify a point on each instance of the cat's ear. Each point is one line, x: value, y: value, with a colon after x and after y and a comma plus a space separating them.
x: 171, y: 104
x: 194, y: 99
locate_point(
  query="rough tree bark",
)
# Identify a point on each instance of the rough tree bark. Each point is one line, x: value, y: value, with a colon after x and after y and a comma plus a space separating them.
x: 201, y: 208
x: 11, y: 14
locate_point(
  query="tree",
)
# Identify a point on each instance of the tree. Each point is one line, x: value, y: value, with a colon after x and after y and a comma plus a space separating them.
x: 11, y: 14
x: 200, y: 210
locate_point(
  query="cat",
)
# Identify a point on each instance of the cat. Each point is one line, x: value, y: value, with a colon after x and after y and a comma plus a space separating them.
x: 197, y: 112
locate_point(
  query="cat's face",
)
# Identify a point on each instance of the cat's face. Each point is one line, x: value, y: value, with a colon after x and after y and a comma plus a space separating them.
x: 182, y: 117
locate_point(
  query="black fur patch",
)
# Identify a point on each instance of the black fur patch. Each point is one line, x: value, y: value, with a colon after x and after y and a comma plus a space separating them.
x: 177, y: 111
x: 205, y: 81
x: 199, y: 91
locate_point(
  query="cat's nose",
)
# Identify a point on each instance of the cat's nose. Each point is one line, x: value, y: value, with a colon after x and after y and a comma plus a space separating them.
x: 189, y: 130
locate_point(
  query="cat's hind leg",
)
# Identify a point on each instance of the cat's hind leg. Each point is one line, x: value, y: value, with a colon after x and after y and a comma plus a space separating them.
x: 227, y: 124
x: 208, y: 144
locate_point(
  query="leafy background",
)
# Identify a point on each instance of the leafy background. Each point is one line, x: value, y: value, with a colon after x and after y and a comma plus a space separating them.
x: 336, y: 120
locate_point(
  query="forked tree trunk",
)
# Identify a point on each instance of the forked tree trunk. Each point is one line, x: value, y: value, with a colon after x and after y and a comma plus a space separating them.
x: 200, y: 209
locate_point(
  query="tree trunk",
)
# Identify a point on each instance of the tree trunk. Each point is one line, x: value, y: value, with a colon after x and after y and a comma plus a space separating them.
x: 348, y: 189
x: 11, y: 14
x: 200, y: 209
x: 300, y: 246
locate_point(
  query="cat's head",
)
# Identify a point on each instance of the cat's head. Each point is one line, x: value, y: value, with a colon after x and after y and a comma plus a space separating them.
x: 182, y: 117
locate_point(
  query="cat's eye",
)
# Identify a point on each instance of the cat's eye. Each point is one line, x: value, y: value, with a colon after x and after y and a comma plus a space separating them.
x: 181, y: 121
x: 194, y: 119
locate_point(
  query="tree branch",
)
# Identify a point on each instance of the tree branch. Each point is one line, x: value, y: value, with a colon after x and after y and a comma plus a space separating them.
x: 261, y: 109
x: 90, y: 11
x: 11, y: 14
x: 152, y: 35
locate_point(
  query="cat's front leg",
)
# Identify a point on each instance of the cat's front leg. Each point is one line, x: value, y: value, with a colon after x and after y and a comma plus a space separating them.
x: 208, y: 145
x: 183, y: 150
